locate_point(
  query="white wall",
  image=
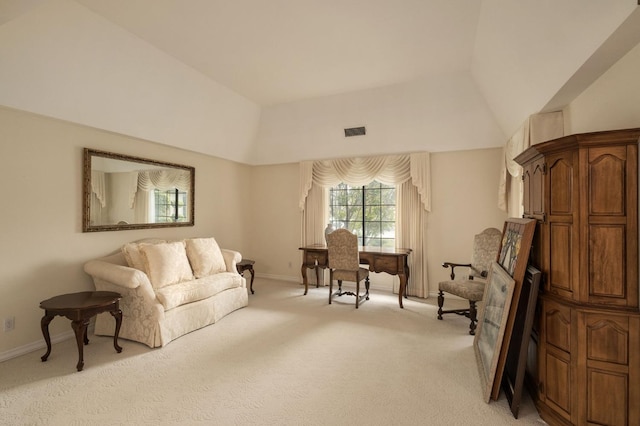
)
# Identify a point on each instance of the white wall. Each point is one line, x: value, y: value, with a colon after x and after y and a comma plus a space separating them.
x: 43, y: 247
x: 62, y: 60
x: 275, y: 226
x: 526, y: 51
x: 446, y: 113
x: 611, y: 102
x: 465, y: 198
x: 464, y: 202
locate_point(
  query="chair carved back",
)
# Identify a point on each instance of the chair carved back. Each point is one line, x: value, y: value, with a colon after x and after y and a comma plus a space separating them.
x: 485, y: 250
x: 343, y: 252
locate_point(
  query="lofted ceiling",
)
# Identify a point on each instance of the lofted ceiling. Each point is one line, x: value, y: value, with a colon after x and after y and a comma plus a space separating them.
x: 280, y: 51
x: 300, y: 58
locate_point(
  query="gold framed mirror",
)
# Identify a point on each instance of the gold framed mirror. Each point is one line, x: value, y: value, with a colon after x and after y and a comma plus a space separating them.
x: 124, y: 192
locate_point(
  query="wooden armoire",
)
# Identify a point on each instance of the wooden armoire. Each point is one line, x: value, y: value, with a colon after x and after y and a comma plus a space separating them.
x: 584, y: 364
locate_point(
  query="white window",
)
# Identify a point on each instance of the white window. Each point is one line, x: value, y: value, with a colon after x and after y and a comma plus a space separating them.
x: 368, y: 211
x: 168, y: 206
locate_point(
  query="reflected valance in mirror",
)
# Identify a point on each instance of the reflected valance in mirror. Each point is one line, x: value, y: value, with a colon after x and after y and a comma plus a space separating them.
x: 125, y: 192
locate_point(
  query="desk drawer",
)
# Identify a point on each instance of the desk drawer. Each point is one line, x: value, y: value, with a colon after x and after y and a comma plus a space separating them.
x: 312, y: 256
x: 388, y: 264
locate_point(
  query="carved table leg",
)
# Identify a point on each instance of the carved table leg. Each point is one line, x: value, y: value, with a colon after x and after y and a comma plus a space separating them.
x: 117, y: 314
x: 44, y: 325
x: 80, y: 328
x: 251, y: 270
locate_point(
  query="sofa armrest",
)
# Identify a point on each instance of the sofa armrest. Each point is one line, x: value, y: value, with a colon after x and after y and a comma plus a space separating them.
x: 231, y: 258
x: 123, y: 276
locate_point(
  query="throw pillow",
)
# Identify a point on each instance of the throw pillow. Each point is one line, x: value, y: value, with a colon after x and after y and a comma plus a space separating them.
x: 133, y: 255
x: 166, y: 263
x: 205, y: 257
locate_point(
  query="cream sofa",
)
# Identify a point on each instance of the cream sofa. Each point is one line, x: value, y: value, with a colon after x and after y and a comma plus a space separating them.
x: 169, y: 288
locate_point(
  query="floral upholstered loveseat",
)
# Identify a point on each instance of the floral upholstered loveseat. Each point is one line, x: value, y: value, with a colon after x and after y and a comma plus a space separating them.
x: 168, y: 288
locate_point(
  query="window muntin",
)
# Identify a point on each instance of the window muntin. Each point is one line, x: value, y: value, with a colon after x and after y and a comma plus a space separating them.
x: 169, y: 205
x: 368, y: 211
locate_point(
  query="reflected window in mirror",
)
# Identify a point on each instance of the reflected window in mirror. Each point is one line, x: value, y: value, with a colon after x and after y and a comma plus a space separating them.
x: 124, y: 192
x: 169, y: 205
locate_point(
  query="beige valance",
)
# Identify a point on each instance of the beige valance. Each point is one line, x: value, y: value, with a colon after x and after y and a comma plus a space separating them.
x: 389, y: 169
x: 164, y: 180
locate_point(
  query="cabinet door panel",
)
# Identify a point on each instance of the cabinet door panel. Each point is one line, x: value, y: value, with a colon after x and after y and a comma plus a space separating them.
x: 560, y: 239
x: 526, y: 190
x: 561, y: 180
x: 607, y: 264
x: 537, y: 188
x: 607, y: 177
x: 607, y: 397
x: 607, y: 338
x: 557, y: 320
x: 557, y: 381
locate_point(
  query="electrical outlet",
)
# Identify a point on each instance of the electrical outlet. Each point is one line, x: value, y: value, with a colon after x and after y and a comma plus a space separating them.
x: 9, y: 323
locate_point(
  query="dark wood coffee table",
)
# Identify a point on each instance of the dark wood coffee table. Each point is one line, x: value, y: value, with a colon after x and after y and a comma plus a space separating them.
x: 79, y: 308
x: 246, y: 265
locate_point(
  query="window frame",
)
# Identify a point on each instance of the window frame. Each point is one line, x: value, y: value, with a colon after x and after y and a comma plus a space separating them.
x: 357, y: 208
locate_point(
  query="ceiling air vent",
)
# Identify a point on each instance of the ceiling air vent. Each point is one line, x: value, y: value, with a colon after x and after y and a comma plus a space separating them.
x: 355, y: 131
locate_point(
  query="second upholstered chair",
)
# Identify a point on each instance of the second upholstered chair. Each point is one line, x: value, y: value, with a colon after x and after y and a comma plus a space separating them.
x: 471, y: 285
x: 344, y: 264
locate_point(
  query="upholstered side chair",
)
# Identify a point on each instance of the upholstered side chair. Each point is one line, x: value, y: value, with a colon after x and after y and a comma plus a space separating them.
x: 344, y: 265
x: 470, y: 286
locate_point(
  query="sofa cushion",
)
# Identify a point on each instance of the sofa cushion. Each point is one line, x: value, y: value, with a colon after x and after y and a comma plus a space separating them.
x: 175, y: 295
x: 134, y: 256
x: 166, y: 263
x: 205, y: 257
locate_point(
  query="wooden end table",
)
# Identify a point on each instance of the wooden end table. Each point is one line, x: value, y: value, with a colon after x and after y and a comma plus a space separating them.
x: 79, y: 308
x: 246, y: 265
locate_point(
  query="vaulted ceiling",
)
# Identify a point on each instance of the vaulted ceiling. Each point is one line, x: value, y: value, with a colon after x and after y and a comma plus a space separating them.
x: 309, y: 57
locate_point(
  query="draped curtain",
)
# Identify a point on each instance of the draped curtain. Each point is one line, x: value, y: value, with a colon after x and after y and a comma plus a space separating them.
x: 411, y: 176
x: 536, y: 129
x: 98, y: 199
x: 143, y: 182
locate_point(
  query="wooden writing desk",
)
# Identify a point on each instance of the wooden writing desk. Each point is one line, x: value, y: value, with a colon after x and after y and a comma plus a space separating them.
x: 391, y: 261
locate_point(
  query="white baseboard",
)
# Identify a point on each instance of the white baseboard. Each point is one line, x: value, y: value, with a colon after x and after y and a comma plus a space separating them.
x: 40, y: 344
x: 276, y: 277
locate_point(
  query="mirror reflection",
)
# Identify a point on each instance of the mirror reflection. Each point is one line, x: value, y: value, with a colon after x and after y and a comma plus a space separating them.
x: 124, y: 192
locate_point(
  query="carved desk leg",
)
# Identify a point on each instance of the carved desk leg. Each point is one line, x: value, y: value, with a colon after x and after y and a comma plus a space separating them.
x: 407, y: 272
x: 303, y: 271
x: 403, y: 285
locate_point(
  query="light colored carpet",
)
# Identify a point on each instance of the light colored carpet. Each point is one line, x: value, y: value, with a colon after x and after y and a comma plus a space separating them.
x: 286, y: 359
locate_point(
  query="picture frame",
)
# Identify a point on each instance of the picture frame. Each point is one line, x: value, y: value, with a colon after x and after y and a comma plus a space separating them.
x: 492, y: 321
x: 516, y: 365
x: 517, y: 237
